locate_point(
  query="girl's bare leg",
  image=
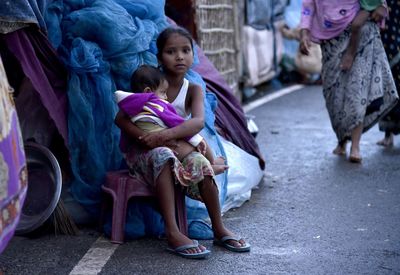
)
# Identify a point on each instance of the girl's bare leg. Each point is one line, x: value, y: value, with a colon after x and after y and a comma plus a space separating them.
x: 355, y: 155
x: 166, y: 199
x: 209, y: 193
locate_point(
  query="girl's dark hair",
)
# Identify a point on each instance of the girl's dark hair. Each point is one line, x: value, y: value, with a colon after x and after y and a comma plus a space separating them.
x: 146, y: 76
x: 165, y: 34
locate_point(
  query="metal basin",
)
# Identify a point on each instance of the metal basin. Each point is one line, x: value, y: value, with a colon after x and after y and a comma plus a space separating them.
x: 44, y: 187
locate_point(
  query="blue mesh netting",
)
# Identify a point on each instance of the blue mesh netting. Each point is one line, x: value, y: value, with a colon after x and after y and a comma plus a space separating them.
x: 102, y: 42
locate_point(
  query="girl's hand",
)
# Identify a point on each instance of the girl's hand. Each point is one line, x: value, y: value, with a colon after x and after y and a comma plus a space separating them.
x: 305, y: 41
x: 154, y: 139
x: 379, y: 14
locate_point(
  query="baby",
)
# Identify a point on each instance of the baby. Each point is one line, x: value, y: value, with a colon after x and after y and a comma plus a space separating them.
x: 367, y: 6
x: 150, y: 111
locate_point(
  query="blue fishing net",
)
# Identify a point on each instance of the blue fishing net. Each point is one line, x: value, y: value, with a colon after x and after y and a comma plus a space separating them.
x: 102, y: 42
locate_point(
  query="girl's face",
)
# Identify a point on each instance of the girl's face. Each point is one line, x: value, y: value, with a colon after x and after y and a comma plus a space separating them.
x: 177, y: 54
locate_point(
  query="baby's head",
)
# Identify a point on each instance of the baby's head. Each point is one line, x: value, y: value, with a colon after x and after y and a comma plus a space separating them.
x: 149, y: 79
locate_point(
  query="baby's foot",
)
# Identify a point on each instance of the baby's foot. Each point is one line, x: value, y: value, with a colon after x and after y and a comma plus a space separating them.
x: 347, y: 61
x: 219, y: 160
x: 219, y: 165
x: 386, y: 141
x: 219, y: 169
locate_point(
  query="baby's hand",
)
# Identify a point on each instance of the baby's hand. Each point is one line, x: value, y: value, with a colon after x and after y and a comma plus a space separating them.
x: 379, y: 14
x: 202, y: 147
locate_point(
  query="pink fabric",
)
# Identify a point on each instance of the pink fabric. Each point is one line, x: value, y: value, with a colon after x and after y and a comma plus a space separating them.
x: 326, y: 19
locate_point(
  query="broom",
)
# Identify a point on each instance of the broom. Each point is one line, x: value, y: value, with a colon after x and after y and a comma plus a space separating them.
x: 62, y: 221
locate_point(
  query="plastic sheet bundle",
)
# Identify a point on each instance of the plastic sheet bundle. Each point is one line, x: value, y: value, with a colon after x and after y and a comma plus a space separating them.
x: 102, y: 42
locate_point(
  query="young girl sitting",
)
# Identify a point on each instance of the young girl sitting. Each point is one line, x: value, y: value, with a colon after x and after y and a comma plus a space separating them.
x: 157, y: 165
x: 151, y: 112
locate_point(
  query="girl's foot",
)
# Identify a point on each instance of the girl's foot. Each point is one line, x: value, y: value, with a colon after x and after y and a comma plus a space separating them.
x: 386, y: 141
x: 355, y: 156
x: 340, y: 149
x: 218, y: 235
x: 177, y: 239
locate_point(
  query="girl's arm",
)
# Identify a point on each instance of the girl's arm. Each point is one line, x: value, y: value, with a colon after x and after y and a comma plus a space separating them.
x: 125, y: 124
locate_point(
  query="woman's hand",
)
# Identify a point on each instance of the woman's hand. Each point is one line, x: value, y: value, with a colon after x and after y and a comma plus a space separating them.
x: 379, y: 13
x: 305, y: 41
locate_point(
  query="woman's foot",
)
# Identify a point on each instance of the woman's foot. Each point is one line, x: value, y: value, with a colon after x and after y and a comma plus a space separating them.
x: 386, y: 141
x: 340, y: 149
x: 355, y: 155
x: 177, y: 239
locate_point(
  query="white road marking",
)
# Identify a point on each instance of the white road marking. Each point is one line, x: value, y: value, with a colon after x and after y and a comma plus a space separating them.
x: 270, y: 97
x: 96, y: 257
x: 275, y: 251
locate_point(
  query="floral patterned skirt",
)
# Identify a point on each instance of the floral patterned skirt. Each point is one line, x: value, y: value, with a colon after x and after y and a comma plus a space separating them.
x: 147, y: 166
x: 366, y: 92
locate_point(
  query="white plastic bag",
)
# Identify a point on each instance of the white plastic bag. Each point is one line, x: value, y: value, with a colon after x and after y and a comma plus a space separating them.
x: 244, y: 174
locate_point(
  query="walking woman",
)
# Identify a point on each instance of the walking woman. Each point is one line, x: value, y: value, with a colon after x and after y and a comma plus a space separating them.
x: 390, y: 124
x: 356, y: 98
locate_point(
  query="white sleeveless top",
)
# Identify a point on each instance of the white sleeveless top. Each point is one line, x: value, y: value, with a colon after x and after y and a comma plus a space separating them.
x: 179, y: 102
x: 179, y: 105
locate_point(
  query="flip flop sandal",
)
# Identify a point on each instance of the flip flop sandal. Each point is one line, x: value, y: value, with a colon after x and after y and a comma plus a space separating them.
x: 180, y: 251
x: 223, y: 242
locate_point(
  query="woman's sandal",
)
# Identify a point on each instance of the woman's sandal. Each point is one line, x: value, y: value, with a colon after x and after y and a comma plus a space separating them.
x: 224, y: 242
x: 180, y: 251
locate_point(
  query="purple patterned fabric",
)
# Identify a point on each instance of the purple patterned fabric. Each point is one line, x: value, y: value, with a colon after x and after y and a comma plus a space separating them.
x: 13, y: 172
x: 134, y: 104
x: 327, y: 19
x: 41, y: 65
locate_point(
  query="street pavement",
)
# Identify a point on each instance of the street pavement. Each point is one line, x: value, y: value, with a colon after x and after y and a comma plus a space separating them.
x: 313, y: 213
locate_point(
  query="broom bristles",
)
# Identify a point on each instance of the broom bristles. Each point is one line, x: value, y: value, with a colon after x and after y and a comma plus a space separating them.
x: 62, y: 221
